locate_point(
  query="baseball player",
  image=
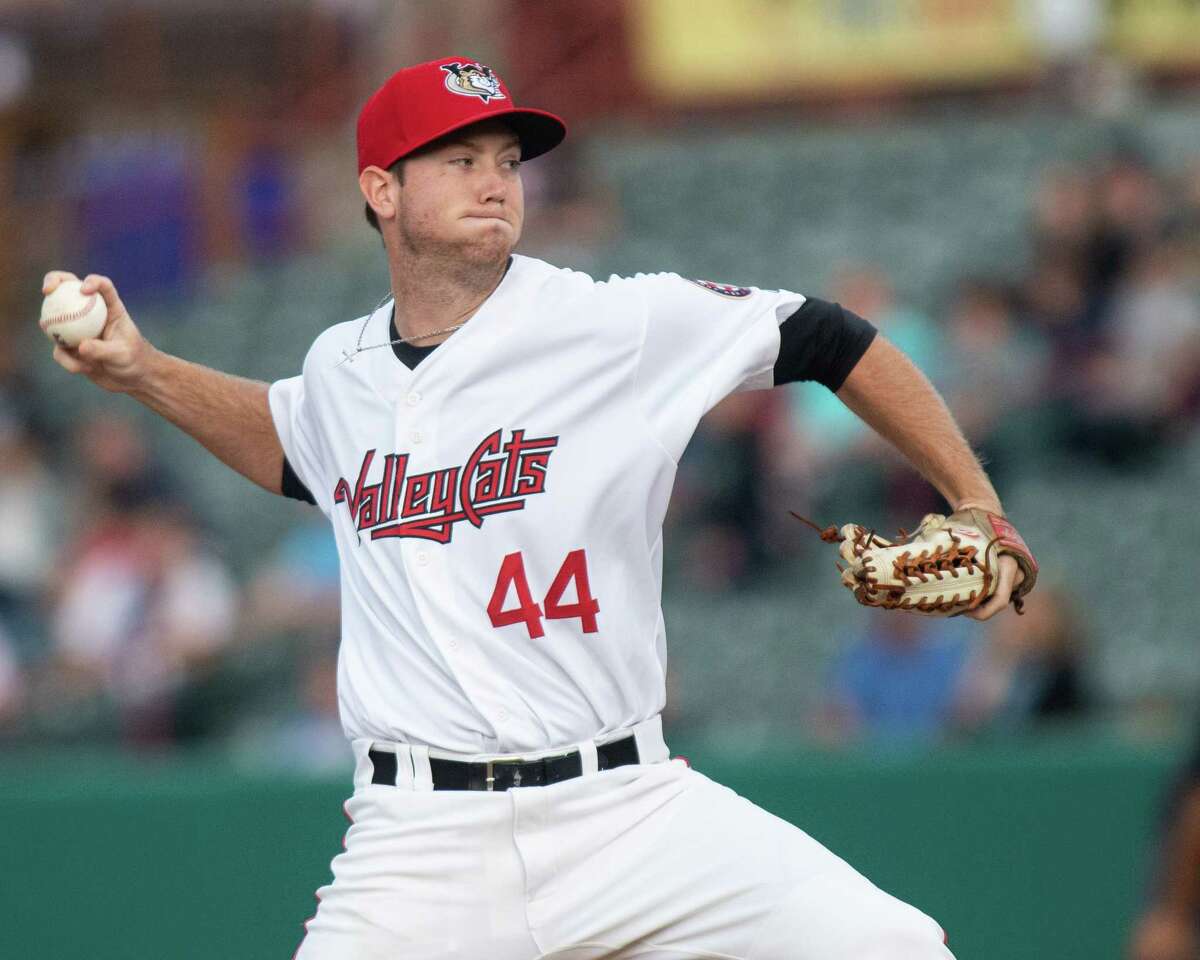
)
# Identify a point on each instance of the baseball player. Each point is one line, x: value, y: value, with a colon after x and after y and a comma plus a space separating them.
x: 495, y: 446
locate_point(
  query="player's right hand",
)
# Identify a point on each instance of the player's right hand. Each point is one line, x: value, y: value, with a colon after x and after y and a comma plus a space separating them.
x: 117, y: 360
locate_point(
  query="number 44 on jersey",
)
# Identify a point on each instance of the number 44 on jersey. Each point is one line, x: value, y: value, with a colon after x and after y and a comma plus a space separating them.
x: 512, y: 578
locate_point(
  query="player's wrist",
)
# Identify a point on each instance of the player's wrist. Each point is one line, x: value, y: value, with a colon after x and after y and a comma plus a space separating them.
x: 150, y: 373
x: 990, y: 504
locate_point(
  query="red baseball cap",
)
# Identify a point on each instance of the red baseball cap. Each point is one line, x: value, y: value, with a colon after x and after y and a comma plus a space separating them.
x: 421, y: 103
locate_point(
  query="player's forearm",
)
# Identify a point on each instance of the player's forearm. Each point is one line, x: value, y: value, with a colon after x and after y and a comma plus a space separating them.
x: 887, y: 391
x: 228, y: 415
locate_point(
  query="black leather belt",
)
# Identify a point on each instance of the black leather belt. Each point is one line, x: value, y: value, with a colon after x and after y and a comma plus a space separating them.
x: 502, y: 774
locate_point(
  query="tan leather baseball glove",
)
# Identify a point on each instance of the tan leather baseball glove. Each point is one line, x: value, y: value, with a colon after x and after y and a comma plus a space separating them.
x: 947, y: 566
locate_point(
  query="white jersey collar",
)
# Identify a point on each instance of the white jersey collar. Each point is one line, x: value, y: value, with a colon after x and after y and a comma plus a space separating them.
x: 392, y: 378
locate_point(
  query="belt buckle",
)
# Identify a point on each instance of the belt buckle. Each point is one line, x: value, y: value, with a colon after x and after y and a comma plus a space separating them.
x: 490, y: 765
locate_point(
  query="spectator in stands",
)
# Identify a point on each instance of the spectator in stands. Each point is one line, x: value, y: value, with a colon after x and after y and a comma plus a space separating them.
x: 895, y: 682
x: 115, y: 468
x: 717, y: 514
x: 1056, y: 290
x: 991, y: 371
x: 19, y: 398
x: 1142, y: 384
x: 297, y: 590
x: 30, y: 505
x: 1055, y: 302
x: 1088, y: 228
x: 1028, y: 670
x: 1127, y: 212
x: 144, y: 611
x: 1114, y: 288
x: 308, y: 737
x: 1063, y: 214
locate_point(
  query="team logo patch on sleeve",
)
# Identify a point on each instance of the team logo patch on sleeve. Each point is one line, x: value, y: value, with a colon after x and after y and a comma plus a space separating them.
x: 724, y: 289
x: 473, y: 80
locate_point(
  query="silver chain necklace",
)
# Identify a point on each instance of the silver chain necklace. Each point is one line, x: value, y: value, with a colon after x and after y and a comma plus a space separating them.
x: 347, y: 356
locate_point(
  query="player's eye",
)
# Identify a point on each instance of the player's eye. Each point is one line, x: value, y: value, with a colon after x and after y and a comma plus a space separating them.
x: 512, y: 165
x: 463, y: 161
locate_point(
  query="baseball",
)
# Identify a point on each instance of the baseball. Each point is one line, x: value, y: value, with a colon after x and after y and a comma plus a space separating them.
x: 69, y: 317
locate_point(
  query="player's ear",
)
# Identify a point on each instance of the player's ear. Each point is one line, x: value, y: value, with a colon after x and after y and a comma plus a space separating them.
x: 376, y: 186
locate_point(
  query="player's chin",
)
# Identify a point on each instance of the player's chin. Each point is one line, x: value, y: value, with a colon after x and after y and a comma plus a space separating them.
x: 491, y: 246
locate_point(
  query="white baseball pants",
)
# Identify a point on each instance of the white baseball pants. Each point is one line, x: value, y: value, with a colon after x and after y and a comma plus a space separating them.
x: 653, y: 861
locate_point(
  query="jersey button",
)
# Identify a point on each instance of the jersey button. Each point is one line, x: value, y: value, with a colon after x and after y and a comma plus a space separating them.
x: 501, y: 714
x: 422, y: 558
x: 413, y: 399
x: 417, y: 436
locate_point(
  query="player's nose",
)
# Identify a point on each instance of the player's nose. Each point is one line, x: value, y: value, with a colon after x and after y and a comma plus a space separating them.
x: 493, y: 187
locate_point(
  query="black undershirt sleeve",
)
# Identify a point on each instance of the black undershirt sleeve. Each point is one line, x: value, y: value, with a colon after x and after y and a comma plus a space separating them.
x: 821, y: 341
x: 292, y: 486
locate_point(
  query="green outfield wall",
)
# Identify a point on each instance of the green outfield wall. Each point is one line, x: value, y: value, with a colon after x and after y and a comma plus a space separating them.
x: 1030, y: 851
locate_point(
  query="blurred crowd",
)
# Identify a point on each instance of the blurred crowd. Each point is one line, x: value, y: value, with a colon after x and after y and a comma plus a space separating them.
x: 122, y: 622
x: 1089, y: 358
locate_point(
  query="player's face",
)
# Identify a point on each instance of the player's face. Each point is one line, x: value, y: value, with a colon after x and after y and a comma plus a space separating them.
x: 463, y: 196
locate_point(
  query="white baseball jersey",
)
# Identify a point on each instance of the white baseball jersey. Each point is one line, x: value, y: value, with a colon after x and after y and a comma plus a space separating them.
x: 498, y: 509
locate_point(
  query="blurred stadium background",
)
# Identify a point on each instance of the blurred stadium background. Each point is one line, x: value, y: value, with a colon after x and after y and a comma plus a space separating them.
x: 1010, y: 190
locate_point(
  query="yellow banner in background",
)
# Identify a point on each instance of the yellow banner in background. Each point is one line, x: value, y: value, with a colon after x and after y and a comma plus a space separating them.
x: 1162, y: 33
x: 706, y: 49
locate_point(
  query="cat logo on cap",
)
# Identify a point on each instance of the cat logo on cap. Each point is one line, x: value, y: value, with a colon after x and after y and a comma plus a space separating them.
x: 473, y: 80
